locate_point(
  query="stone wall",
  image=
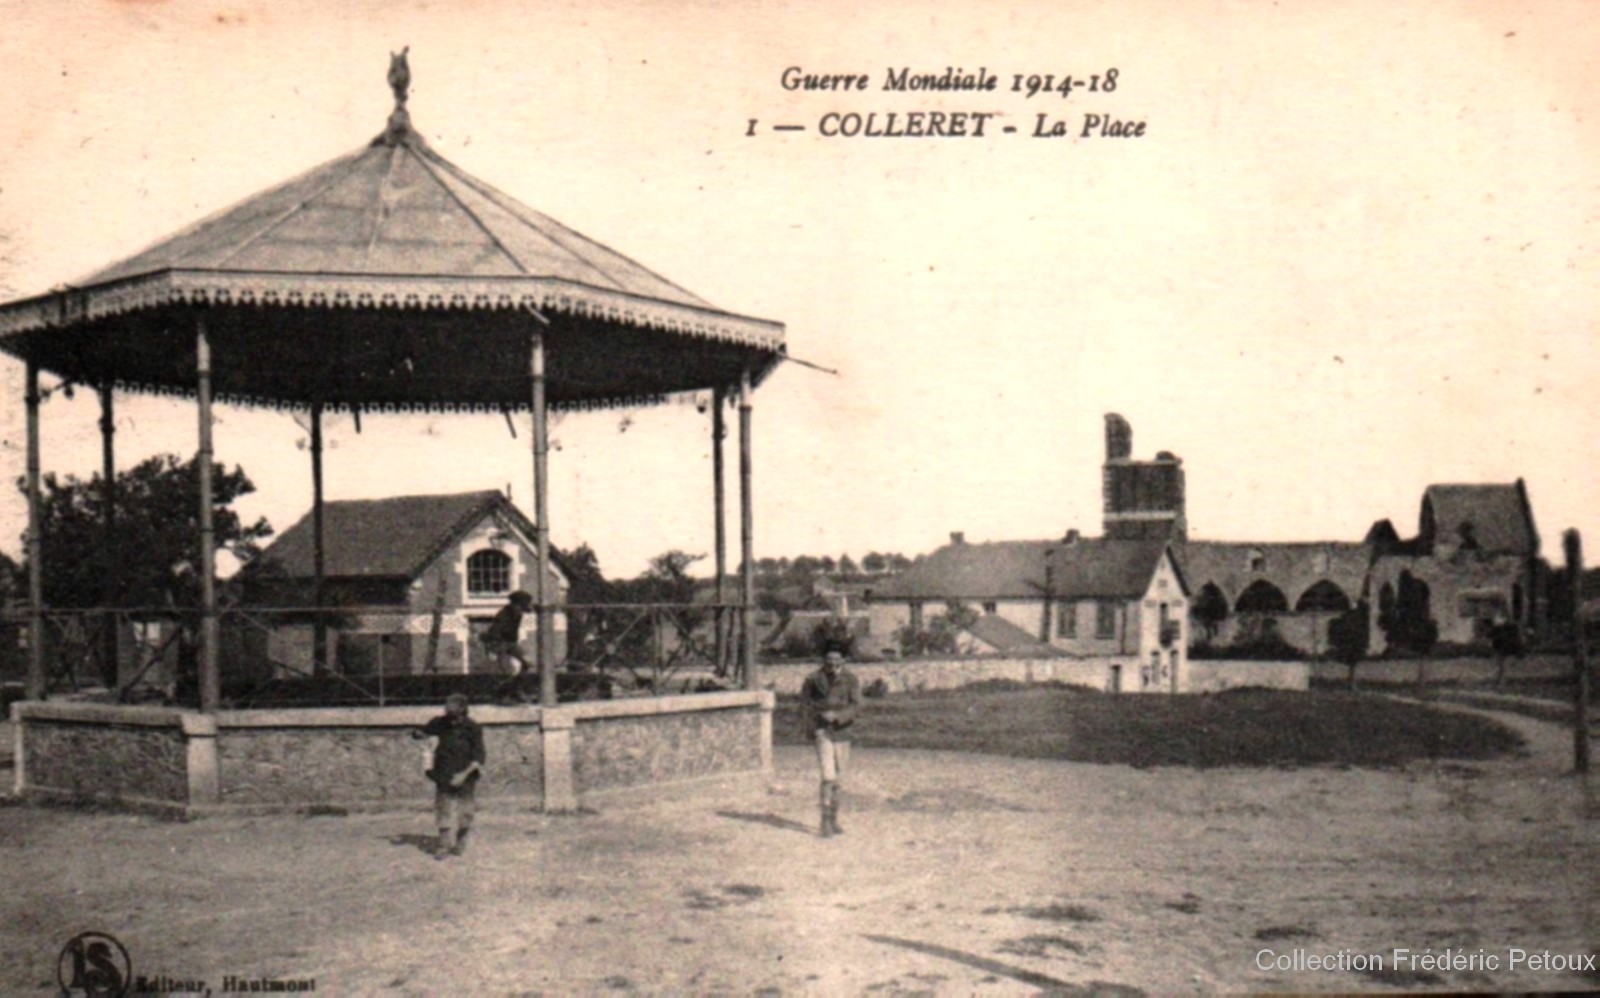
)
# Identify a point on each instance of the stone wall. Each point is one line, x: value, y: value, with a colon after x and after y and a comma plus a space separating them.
x: 128, y: 755
x: 611, y: 752
x: 287, y: 760
x: 1216, y: 675
x: 363, y: 756
x: 1446, y: 670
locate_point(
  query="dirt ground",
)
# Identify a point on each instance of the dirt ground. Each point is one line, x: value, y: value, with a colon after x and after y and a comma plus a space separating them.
x: 956, y: 874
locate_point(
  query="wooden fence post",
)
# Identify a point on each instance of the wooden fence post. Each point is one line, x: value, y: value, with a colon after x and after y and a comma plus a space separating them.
x: 1572, y: 542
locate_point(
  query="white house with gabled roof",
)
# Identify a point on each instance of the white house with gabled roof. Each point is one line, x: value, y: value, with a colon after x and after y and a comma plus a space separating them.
x: 1125, y: 601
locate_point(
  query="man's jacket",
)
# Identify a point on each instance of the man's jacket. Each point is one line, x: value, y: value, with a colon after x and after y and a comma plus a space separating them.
x: 841, y: 695
x: 460, y: 745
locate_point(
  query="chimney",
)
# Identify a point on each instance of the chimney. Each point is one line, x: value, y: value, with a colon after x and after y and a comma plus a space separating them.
x: 1070, y: 538
x: 957, y: 537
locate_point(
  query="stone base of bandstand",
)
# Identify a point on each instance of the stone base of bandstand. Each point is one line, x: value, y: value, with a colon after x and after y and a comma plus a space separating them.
x: 556, y: 759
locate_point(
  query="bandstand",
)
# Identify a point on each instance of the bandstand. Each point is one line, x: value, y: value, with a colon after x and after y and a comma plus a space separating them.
x: 387, y: 280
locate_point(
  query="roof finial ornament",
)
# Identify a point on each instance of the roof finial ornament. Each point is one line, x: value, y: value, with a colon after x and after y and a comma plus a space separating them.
x: 399, y: 129
x: 400, y: 76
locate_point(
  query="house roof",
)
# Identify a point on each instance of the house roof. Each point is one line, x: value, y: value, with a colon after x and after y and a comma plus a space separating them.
x: 1292, y: 567
x: 1004, y: 636
x: 1085, y: 569
x: 1498, y: 514
x: 1105, y: 567
x: 988, y: 570
x: 384, y: 538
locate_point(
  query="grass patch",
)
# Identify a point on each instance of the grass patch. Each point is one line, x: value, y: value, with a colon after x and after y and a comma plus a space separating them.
x: 1272, y: 728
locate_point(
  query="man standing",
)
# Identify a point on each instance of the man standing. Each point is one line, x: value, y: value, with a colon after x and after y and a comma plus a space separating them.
x: 457, y: 763
x: 829, y: 701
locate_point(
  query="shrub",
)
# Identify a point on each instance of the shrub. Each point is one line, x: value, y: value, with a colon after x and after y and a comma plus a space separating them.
x: 1258, y: 640
x: 940, y: 635
x: 795, y: 644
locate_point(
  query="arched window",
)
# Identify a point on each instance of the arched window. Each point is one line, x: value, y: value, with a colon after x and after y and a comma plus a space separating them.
x: 1262, y: 597
x: 1257, y: 562
x: 1324, y: 597
x: 488, y: 573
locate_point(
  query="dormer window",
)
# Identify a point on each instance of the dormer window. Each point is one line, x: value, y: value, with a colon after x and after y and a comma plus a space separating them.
x: 1258, y: 561
x: 488, y: 573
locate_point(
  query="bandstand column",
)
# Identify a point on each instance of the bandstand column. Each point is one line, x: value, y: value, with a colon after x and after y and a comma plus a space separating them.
x: 719, y: 430
x: 35, y: 687
x: 545, y: 652
x: 319, y: 624
x: 108, y: 542
x: 747, y: 571
x: 210, y: 678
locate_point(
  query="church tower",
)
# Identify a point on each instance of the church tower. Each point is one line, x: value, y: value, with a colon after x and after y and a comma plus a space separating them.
x: 1143, y: 500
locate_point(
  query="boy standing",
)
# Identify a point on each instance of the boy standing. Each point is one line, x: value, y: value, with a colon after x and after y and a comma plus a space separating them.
x: 829, y: 701
x: 503, y: 637
x: 457, y: 764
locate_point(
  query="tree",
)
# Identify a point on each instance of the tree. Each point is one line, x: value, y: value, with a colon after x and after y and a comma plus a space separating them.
x: 1209, y: 610
x: 586, y: 586
x: 585, y: 582
x: 941, y: 635
x: 874, y: 563
x: 672, y: 630
x: 1407, y: 622
x: 155, y: 558
x: 1348, y: 636
x: 804, y: 568
x: 847, y: 565
x: 13, y: 580
x: 1506, y: 638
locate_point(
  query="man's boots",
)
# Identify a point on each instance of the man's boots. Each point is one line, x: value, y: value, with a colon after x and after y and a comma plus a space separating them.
x: 830, y: 809
x: 461, y: 842
x: 443, y: 847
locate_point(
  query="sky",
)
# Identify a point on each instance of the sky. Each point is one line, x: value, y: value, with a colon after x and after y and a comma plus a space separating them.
x: 1352, y: 253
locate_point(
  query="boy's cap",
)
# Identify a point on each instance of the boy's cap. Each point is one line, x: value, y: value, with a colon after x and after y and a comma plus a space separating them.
x: 456, y: 699
x: 522, y: 597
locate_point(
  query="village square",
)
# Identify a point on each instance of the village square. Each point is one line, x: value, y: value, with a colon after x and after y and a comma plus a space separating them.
x: 412, y: 593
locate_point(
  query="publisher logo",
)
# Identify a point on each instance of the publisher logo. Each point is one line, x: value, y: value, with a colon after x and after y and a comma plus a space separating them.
x: 94, y: 964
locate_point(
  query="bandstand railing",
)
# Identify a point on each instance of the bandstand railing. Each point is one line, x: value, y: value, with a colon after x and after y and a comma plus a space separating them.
x: 376, y: 654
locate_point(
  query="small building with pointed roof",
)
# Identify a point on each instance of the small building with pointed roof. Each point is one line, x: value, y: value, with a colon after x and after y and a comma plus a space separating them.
x: 1473, y: 563
x: 418, y: 579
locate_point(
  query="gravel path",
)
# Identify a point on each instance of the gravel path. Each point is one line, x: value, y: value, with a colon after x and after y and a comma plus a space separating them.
x: 957, y: 874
